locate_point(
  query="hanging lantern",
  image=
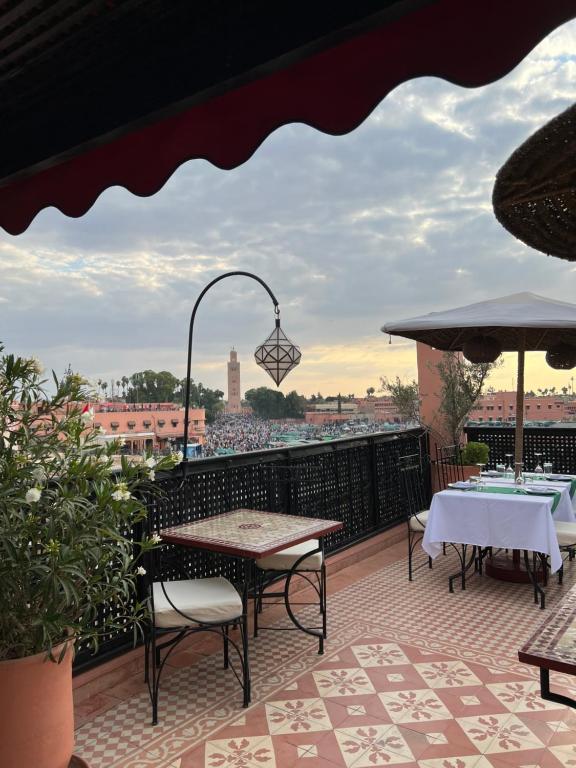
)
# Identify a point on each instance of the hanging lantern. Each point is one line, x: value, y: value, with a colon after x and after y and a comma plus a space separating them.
x: 277, y: 355
x: 481, y: 349
x: 561, y: 357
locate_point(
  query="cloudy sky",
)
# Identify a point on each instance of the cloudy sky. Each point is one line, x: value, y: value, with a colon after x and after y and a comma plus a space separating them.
x: 391, y: 221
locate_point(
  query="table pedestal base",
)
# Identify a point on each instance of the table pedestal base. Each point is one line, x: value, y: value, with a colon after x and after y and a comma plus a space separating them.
x: 510, y: 568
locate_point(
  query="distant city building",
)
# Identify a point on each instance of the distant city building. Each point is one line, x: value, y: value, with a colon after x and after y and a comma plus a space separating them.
x: 346, y: 406
x: 378, y: 408
x: 501, y: 406
x: 360, y: 408
x: 325, y: 417
x: 234, y: 404
x: 149, y: 426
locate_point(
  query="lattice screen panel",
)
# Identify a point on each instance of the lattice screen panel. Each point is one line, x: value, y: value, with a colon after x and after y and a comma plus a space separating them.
x: 556, y: 444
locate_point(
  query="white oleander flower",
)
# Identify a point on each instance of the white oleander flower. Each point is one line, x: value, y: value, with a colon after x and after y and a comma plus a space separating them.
x: 121, y: 493
x: 150, y: 462
x: 101, y: 430
x: 151, y: 475
x: 155, y: 538
x: 33, y: 495
x: 36, y: 365
x: 141, y: 571
x: 121, y: 442
x: 178, y: 457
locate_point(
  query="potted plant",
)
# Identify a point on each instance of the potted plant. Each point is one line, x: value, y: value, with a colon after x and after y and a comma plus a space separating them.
x: 64, y: 514
x: 473, y: 454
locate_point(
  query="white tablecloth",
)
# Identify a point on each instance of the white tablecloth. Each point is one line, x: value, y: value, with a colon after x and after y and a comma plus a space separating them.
x: 492, y: 520
x: 564, y: 512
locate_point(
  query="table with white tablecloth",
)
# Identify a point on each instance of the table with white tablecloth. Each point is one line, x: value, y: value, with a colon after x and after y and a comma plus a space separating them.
x: 564, y: 512
x: 511, y: 521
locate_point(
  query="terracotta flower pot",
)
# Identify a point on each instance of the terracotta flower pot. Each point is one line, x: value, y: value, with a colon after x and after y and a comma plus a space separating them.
x: 37, y: 716
x: 469, y: 469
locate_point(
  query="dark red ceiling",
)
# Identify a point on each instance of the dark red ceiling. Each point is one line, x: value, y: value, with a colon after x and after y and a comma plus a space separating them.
x: 328, y: 75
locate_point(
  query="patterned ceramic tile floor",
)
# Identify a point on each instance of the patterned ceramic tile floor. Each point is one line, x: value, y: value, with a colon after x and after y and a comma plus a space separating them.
x: 412, y: 676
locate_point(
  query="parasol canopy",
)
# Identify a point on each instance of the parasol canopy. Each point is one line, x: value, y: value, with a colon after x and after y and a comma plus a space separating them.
x: 534, y: 196
x: 520, y: 322
x: 181, y: 80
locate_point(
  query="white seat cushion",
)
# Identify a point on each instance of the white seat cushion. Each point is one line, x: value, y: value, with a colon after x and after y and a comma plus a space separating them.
x: 419, y: 523
x: 204, y: 600
x: 285, y: 559
x: 566, y: 533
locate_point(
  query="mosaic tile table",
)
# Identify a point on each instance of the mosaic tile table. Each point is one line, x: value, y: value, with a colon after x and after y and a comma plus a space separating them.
x: 553, y: 647
x: 249, y: 533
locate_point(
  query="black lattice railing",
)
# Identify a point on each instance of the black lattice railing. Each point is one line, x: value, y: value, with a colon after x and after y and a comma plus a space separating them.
x: 556, y: 444
x: 355, y: 480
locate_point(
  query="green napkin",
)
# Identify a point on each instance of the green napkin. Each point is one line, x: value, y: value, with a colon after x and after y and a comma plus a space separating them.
x: 520, y: 490
x: 544, y: 478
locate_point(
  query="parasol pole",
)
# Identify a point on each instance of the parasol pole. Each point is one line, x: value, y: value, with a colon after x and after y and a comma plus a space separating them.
x: 519, y: 447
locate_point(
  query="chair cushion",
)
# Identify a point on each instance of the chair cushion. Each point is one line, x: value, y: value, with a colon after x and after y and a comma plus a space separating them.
x: 285, y: 559
x: 204, y: 600
x: 419, y: 523
x: 566, y: 533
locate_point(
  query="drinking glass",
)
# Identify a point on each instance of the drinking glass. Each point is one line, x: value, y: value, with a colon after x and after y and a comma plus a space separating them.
x: 501, y: 468
x: 509, y: 469
x: 547, y: 467
x: 480, y: 478
x: 538, y: 468
x: 520, y: 479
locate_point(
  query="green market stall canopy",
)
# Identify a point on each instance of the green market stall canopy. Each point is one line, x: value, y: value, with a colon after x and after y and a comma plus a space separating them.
x: 97, y: 93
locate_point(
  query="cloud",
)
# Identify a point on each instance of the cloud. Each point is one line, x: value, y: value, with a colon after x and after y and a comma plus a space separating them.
x: 390, y: 221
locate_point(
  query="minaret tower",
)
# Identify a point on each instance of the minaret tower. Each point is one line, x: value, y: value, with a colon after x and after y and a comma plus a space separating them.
x: 234, y: 405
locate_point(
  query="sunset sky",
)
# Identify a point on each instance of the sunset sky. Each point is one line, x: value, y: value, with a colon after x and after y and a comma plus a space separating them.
x: 390, y: 221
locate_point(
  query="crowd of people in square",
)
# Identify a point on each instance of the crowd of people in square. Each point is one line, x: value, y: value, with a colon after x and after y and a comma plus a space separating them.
x: 239, y: 433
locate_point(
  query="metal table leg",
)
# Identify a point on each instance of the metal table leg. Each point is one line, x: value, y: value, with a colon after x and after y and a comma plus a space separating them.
x: 547, y: 694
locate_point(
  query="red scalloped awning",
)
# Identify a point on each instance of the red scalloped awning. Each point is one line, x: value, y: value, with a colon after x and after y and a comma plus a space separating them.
x: 467, y: 42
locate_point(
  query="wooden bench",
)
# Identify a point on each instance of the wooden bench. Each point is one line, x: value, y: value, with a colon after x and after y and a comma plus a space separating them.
x: 553, y: 647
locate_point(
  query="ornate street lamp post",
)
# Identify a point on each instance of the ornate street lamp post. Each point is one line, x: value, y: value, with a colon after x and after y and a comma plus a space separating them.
x: 277, y: 355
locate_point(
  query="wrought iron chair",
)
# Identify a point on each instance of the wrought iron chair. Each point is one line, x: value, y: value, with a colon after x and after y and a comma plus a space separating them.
x: 414, y: 493
x: 305, y: 560
x: 181, y: 607
x: 566, y: 533
x: 448, y: 465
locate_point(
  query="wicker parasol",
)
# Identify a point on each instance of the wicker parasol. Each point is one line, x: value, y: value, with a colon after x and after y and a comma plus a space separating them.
x: 534, y: 195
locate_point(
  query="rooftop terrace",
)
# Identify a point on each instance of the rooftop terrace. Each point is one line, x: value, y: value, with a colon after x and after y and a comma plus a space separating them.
x: 412, y: 676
